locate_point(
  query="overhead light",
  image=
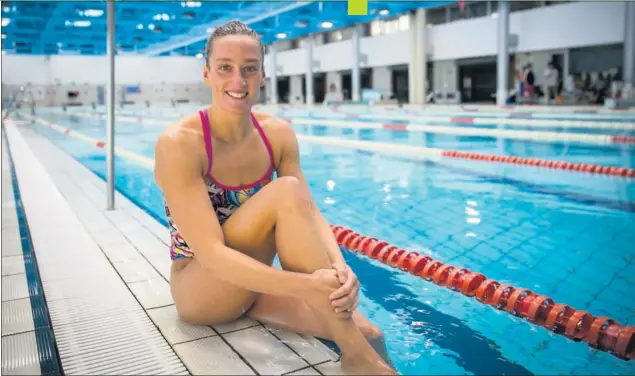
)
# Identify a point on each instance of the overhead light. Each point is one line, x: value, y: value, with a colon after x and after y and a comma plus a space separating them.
x: 6, y: 9
x: 281, y: 35
x: 6, y: 21
x: 93, y: 13
x: 191, y: 4
x: 199, y: 55
x: 140, y: 27
x: 383, y: 12
x: 161, y: 16
x: 151, y: 26
x: 4, y: 36
x: 81, y: 23
x: 326, y: 24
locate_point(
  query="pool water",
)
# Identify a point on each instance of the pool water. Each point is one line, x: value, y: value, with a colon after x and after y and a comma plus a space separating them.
x: 563, y: 234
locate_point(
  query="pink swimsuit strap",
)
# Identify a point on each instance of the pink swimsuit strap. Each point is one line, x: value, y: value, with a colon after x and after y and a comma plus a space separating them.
x: 207, y: 136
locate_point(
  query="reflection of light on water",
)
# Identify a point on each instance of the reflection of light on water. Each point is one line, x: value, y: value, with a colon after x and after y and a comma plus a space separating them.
x: 386, y: 188
x: 473, y: 220
x: 330, y: 184
x: 470, y: 235
x: 329, y: 201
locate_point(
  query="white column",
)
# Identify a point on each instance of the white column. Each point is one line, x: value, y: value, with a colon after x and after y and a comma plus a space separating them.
x: 355, y: 74
x: 274, y: 74
x: 309, y: 71
x: 502, y: 63
x: 628, y: 71
x: 422, y: 28
x: 417, y: 67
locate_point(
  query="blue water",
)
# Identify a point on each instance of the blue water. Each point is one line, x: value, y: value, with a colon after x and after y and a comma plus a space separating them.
x: 566, y: 235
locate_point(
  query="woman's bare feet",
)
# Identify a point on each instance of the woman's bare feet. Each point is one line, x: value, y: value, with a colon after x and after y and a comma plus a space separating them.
x: 365, y: 364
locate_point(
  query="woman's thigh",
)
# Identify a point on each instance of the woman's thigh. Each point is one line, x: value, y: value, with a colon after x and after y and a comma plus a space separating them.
x: 201, y: 297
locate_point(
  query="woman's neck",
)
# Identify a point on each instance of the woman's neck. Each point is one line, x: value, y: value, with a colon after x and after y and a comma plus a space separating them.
x: 229, y: 127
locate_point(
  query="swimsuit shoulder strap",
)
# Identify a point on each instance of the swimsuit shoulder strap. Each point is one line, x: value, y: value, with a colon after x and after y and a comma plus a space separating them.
x: 207, y: 136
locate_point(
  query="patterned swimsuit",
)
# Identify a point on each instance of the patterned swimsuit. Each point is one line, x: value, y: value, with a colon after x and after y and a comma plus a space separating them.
x: 225, y: 199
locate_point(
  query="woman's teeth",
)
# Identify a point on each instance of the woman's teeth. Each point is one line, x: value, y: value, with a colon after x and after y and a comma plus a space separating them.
x: 236, y: 95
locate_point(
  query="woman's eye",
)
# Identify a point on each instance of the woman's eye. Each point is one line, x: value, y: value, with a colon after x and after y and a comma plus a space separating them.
x: 225, y: 68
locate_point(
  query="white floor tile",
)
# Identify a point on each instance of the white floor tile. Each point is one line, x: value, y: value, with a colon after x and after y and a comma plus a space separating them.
x: 264, y: 352
x: 176, y: 330
x: 20, y: 355
x: 17, y: 316
x: 306, y: 371
x: 330, y: 368
x: 211, y: 356
x: 135, y: 270
x: 241, y: 323
x: 13, y: 265
x: 312, y: 351
x: 152, y: 293
x: 14, y: 287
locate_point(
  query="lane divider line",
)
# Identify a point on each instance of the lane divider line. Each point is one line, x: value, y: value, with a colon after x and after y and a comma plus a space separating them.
x: 511, y: 134
x: 388, y: 149
x: 466, y: 119
x: 601, y: 333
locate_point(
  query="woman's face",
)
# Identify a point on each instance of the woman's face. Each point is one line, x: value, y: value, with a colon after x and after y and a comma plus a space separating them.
x: 235, y: 73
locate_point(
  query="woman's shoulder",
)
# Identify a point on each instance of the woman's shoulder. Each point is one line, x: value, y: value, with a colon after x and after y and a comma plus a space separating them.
x: 181, y: 135
x: 272, y: 124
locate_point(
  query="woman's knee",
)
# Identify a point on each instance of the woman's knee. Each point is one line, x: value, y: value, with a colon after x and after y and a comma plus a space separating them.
x: 292, y: 193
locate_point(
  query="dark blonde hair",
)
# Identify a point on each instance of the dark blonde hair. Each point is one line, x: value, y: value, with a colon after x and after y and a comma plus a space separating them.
x: 232, y: 28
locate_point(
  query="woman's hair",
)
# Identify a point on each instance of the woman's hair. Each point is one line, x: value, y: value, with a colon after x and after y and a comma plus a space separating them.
x: 231, y: 28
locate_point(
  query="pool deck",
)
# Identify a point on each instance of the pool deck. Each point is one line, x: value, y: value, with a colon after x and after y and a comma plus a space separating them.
x: 86, y: 290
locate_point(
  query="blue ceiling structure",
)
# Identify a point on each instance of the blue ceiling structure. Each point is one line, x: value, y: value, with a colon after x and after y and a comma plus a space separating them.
x: 160, y: 28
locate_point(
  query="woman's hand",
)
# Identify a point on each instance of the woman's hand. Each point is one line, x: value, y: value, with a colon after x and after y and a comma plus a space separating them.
x: 324, y: 282
x: 345, y: 299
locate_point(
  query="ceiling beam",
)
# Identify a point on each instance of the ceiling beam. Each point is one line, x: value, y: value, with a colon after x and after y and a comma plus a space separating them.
x: 202, y: 34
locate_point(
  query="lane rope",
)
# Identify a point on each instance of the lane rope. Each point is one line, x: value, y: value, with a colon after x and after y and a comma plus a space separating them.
x: 601, y: 333
x: 395, y: 149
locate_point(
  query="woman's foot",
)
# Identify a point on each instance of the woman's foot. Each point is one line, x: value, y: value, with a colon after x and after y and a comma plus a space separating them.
x: 364, y: 364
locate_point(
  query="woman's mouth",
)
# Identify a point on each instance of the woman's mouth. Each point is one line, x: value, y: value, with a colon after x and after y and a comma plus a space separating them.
x: 237, y: 94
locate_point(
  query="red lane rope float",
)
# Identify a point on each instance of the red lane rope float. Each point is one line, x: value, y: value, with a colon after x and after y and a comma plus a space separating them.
x: 601, y: 333
x: 583, y: 167
x: 623, y: 139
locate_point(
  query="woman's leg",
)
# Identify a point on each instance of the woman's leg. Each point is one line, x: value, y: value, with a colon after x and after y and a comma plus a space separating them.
x: 294, y: 315
x: 282, y: 213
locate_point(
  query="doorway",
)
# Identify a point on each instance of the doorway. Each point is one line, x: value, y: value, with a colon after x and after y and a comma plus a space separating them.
x: 319, y: 87
x: 400, y: 84
x: 283, y: 89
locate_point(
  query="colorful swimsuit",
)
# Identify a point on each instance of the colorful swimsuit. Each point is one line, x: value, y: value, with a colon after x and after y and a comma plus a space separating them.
x: 225, y: 199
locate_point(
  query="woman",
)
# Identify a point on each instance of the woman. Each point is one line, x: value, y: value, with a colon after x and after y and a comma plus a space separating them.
x: 228, y: 216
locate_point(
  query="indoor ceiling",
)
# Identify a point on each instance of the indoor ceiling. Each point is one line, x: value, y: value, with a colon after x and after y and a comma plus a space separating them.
x: 167, y: 27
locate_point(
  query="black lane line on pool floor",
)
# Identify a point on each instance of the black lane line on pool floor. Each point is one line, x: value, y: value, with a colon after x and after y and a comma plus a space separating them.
x: 48, y: 353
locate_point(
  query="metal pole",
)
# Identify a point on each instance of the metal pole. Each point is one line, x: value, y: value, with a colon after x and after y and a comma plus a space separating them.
x: 110, y: 126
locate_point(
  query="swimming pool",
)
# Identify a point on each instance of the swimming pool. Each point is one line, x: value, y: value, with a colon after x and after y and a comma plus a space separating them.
x: 559, y: 233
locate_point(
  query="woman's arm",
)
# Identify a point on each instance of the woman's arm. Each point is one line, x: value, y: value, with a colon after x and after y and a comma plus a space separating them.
x: 178, y: 174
